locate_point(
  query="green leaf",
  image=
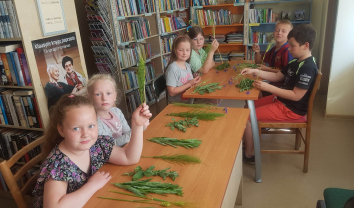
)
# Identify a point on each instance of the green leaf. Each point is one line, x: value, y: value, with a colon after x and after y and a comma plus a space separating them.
x: 138, y: 175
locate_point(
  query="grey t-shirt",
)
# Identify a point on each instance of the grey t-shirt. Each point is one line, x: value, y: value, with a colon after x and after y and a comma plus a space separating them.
x: 175, y: 77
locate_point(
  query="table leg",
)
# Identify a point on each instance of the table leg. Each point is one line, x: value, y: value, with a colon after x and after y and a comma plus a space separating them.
x: 256, y: 141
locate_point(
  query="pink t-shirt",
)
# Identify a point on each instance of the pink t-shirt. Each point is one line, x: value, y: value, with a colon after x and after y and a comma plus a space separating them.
x: 114, y: 125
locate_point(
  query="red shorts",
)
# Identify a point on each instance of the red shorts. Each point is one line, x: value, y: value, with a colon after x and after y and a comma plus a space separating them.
x: 271, y: 109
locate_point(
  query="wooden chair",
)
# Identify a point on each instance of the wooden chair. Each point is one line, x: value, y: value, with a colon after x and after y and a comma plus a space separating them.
x: 11, y: 179
x: 160, y: 86
x: 295, y: 127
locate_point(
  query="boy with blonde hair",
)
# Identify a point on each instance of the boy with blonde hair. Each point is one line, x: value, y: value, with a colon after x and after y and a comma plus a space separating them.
x: 290, y: 102
x: 277, y: 57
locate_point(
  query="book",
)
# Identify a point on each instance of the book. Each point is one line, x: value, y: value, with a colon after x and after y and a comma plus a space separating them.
x: 6, y: 68
x: 26, y: 70
x: 12, y: 17
x: 7, y: 109
x: 3, y: 79
x: 20, y: 111
x: 3, y: 113
x: 13, y: 70
x: 24, y: 103
x: 18, y: 68
x: 7, y: 95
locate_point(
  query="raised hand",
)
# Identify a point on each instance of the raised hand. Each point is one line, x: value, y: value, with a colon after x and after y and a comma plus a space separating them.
x: 141, y: 115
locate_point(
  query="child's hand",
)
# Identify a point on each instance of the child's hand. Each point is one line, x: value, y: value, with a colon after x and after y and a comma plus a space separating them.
x: 195, y: 81
x: 259, y: 84
x: 146, y: 124
x: 99, y: 179
x: 214, y: 45
x: 256, y: 48
x: 248, y: 71
x: 141, y: 115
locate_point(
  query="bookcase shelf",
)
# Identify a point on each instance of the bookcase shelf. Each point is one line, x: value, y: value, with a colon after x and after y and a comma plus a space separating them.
x: 20, y: 127
x: 10, y: 39
x: 233, y: 25
x: 137, y: 15
x: 167, y: 33
x: 273, y: 23
x: 171, y: 11
x: 147, y: 60
x: 16, y: 87
x: 276, y: 2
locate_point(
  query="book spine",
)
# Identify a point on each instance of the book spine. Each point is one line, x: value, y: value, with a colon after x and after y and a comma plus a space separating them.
x: 7, y: 110
x: 12, y: 70
x: 12, y: 18
x: 12, y: 109
x: 32, y: 112
x: 19, y: 51
x: 21, y: 113
x: 25, y: 105
x: 25, y: 68
x: 18, y: 68
x: 3, y: 112
x: 3, y: 80
x: 34, y: 101
x: 7, y: 69
x: 28, y: 119
x: 4, y: 22
x: 8, y: 20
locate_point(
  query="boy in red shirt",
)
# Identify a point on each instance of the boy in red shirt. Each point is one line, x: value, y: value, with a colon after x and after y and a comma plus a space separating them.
x: 277, y: 57
x: 290, y: 102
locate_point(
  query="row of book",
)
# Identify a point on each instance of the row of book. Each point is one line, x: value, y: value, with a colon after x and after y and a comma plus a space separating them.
x: 19, y: 108
x: 211, y: 2
x: 134, y: 29
x: 233, y: 55
x: 133, y: 98
x: 165, y: 60
x: 263, y: 16
x: 13, y: 65
x: 8, y: 20
x: 166, y: 5
x: 167, y: 41
x: 210, y: 17
x: 170, y: 23
x: 134, y: 7
x: 129, y: 55
x: 13, y: 140
x: 260, y: 37
x: 233, y: 37
x: 130, y: 76
x: 101, y: 35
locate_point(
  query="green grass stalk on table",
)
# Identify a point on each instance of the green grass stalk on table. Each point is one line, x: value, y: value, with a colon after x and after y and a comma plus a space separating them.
x: 164, y: 204
x: 138, y: 173
x: 182, y: 125
x: 201, y: 105
x: 174, y: 142
x: 177, y: 203
x: 209, y: 88
x: 223, y: 66
x: 244, y: 84
x: 141, y: 79
x: 178, y: 159
x: 144, y: 187
x: 198, y: 114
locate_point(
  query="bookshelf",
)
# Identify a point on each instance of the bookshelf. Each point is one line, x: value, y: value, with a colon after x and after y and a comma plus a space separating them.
x: 201, y: 14
x: 122, y: 52
x: 262, y: 29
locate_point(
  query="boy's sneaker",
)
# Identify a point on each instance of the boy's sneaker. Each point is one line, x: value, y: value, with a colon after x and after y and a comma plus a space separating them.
x: 249, y: 160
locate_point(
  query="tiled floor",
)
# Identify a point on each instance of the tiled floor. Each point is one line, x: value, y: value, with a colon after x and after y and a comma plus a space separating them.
x: 284, y: 184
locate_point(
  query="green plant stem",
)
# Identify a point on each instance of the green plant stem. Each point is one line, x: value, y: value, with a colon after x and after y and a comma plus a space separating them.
x: 143, y: 197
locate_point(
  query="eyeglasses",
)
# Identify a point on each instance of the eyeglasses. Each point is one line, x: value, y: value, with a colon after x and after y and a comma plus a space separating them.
x: 200, y: 39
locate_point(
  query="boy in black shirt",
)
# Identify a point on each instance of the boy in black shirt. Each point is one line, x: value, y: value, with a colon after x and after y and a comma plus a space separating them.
x: 290, y: 101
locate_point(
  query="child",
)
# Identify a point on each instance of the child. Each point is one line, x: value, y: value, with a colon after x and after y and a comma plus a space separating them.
x: 101, y: 88
x: 201, y: 61
x: 69, y: 176
x: 178, y: 74
x: 289, y: 102
x: 277, y: 57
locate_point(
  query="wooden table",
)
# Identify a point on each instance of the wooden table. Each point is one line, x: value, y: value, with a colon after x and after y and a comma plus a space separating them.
x: 229, y: 91
x: 214, y: 183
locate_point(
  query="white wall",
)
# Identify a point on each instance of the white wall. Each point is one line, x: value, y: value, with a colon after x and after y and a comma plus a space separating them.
x: 340, y: 99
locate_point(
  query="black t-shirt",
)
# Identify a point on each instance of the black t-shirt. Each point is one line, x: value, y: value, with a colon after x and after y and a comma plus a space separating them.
x: 302, y: 75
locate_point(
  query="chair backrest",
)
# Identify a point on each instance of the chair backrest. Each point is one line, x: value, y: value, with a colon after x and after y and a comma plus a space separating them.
x: 11, y: 179
x: 312, y: 97
x: 159, y: 85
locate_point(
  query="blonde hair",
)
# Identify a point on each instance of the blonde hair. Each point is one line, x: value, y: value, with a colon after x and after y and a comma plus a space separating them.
x: 50, y: 67
x: 285, y: 22
x: 57, y: 115
x: 90, y: 84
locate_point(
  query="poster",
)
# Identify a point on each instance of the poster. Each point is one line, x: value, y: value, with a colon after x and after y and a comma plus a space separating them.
x: 59, y: 66
x: 52, y: 18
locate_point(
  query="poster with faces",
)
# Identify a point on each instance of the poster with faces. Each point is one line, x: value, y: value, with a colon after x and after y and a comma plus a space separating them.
x: 59, y: 66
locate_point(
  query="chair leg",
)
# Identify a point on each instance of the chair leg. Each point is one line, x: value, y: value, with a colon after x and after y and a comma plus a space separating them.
x: 307, y: 150
x: 298, y: 139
